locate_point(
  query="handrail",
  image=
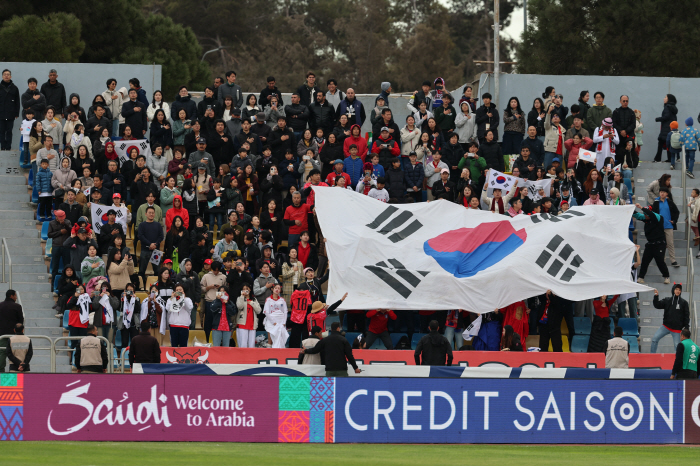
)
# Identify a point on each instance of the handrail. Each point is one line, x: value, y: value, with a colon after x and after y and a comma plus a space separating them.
x: 690, y: 264
x: 122, y: 359
x: 52, y: 355
x: 110, y: 364
x: 6, y: 250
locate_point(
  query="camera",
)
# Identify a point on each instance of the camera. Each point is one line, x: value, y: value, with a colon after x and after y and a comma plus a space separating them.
x: 129, y: 293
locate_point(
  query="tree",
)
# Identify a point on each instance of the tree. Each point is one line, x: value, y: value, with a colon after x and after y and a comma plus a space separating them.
x: 622, y: 38
x: 53, y: 38
x: 175, y: 48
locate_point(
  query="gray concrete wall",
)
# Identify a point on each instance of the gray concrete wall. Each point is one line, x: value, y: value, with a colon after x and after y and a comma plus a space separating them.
x: 646, y: 95
x: 85, y: 79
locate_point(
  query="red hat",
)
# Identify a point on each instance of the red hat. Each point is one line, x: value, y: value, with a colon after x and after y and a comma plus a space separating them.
x: 167, y: 261
x: 116, y: 195
x: 208, y: 261
x: 368, y: 166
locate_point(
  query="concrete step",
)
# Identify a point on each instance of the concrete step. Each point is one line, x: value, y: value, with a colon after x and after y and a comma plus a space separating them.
x: 41, y: 277
x: 35, y: 267
x: 15, y: 196
x: 52, y: 332
x: 27, y: 259
x: 15, y: 205
x: 25, y: 288
x: 18, y: 223
x: 17, y: 214
x: 14, y: 189
x: 8, y: 179
x: 654, y: 322
x: 31, y: 322
x: 27, y: 232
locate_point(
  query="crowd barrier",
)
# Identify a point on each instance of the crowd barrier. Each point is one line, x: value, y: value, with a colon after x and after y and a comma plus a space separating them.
x: 77, y: 407
x: 219, y: 355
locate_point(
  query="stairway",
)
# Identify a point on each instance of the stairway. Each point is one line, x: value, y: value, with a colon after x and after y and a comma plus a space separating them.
x: 30, y: 277
x: 651, y: 318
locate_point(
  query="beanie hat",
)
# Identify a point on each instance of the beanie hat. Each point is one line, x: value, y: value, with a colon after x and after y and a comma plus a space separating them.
x: 386, y: 85
x: 689, y: 121
x: 368, y: 166
x: 59, y: 214
x: 674, y: 125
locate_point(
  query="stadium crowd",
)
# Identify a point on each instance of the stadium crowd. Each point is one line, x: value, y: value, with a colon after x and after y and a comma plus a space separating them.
x: 220, y: 200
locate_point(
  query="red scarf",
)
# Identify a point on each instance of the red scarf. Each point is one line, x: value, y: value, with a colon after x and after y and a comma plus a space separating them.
x: 501, y: 209
x: 599, y: 147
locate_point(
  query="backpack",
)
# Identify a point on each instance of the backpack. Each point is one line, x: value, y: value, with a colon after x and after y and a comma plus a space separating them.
x: 675, y: 140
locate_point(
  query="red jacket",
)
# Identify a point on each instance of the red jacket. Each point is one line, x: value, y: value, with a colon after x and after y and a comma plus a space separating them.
x: 330, y: 179
x: 378, y: 321
x: 297, y: 213
x: 172, y: 213
x: 359, y: 141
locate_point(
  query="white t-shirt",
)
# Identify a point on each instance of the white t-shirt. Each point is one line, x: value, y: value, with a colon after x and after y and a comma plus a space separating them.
x: 26, y: 128
x: 379, y: 194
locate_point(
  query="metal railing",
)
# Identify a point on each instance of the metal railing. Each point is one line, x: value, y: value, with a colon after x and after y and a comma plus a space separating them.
x: 52, y: 354
x: 56, y: 349
x: 8, y: 259
x: 690, y: 239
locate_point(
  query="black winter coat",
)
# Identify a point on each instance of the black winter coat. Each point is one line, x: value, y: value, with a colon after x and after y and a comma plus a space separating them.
x: 414, y: 175
x: 297, y: 116
x: 482, y: 119
x: 624, y: 119
x: 533, y: 121
x: 676, y: 312
x: 161, y: 135
x: 600, y: 334
x: 448, y: 189
x: 491, y: 152
x: 336, y: 350
x: 321, y: 116
x: 667, y: 116
x: 435, y: 351
x: 329, y: 154
x: 9, y: 101
x: 395, y: 182
x: 37, y: 105
x: 137, y: 121
x: 55, y: 95
x: 280, y: 147
x: 184, y: 102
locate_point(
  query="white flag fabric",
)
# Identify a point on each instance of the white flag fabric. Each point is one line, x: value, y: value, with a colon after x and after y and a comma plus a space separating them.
x: 534, y: 187
x: 156, y: 255
x: 123, y: 147
x: 506, y: 182
x: 472, y: 330
x: 439, y: 255
x: 99, y: 216
x: 587, y: 155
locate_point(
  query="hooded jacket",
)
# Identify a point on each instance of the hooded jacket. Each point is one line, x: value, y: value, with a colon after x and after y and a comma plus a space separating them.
x: 75, y: 108
x: 177, y: 212
x: 653, y: 225
x: 166, y: 198
x: 359, y: 141
x: 676, y: 310
x: 434, y: 349
x: 113, y: 105
x: 185, y: 103
x: 667, y: 116
x: 353, y: 109
x: 385, y: 153
x: 62, y: 177
x: 42, y: 182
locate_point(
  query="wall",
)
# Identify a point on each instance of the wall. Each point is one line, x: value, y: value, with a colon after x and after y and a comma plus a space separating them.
x: 646, y: 94
x: 85, y: 79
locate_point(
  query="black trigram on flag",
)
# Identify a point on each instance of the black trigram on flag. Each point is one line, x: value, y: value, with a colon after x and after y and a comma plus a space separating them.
x: 556, y: 218
x: 561, y: 260
x: 143, y: 145
x: 397, y: 277
x: 119, y: 213
x: 394, y: 223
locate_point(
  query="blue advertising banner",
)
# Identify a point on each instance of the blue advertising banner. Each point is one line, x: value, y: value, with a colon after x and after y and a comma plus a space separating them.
x: 508, y: 411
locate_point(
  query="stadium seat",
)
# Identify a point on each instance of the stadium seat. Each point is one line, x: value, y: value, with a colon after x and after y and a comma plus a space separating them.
x: 564, y: 328
x: 150, y: 281
x: 30, y: 178
x: 579, y: 344
x: 628, y: 183
x: 55, y: 282
x: 65, y: 319
x: 612, y: 327
x: 629, y: 326
x: 634, y: 344
x: 141, y: 295
x: 564, y: 344
x: 582, y: 325
x: 126, y: 359
x: 60, y: 265
x: 351, y: 336
x: 48, y: 248
x: 416, y: 338
x: 45, y: 231
x: 378, y: 344
x: 118, y: 339
x: 35, y: 197
x: 395, y: 337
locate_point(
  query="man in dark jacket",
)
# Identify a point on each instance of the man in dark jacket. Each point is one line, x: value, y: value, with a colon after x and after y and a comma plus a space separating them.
x: 491, y: 151
x: 10, y: 315
x: 624, y: 122
x: 387, y: 120
x: 183, y: 101
x: 487, y: 118
x: 54, y: 92
x: 394, y: 177
x: 308, y: 90
x: 656, y: 242
x: 33, y: 99
x: 96, y: 123
x: 524, y: 162
x: 676, y: 316
x: 352, y: 108
x: 322, y: 115
x: 433, y: 348
x: 535, y: 145
x: 665, y: 207
x: 209, y: 101
x: 59, y: 232
x: 78, y: 245
x: 452, y: 153
x: 336, y: 351
x: 267, y: 93
x: 144, y: 348
x: 237, y: 278
x: 140, y: 92
x: 297, y: 116
x: 262, y: 129
x: 444, y: 188
x: 9, y: 109
x: 685, y: 365
x: 232, y: 89
x: 246, y: 135
x: 134, y: 113
x: 72, y: 209
x: 282, y: 139
x: 91, y: 353
x: 386, y: 147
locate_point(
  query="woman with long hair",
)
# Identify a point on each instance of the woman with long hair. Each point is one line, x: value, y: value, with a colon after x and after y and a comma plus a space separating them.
x: 514, y: 129
x: 593, y: 180
x: 251, y: 109
x: 119, y: 270
x: 248, y: 184
x: 247, y: 318
x: 292, y: 274
x: 178, y: 308
x: 511, y: 340
x: 129, y: 320
x: 37, y: 136
x: 224, y: 313
x: 157, y: 104
x: 437, y: 140
x: 152, y: 309
x: 464, y: 196
x: 177, y: 241
x: 276, y: 317
x: 165, y: 283
x: 536, y: 117
x: 307, y: 142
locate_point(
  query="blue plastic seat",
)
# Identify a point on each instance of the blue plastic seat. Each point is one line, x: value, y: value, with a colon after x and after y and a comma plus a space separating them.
x: 612, y: 327
x: 65, y: 319
x: 351, y: 336
x: 378, y: 344
x: 415, y: 339
x: 35, y: 195
x: 582, y: 325
x: 126, y: 359
x: 629, y: 326
x: 634, y: 345
x: 579, y: 343
x: 49, y: 247
x: 395, y: 337
x: 45, y: 231
x: 118, y: 339
x: 55, y: 282
x: 628, y: 183
x: 30, y: 178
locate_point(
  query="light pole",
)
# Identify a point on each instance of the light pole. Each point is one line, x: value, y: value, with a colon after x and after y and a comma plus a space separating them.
x: 496, y: 50
x: 212, y: 50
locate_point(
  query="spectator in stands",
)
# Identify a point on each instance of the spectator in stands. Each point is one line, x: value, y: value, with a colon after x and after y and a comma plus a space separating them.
x: 150, y: 233
x: 690, y: 137
x: 269, y: 92
x: 297, y: 115
x: 232, y: 89
x: 19, y: 350
x: 211, y: 282
x: 33, y: 99
x: 91, y: 354
x: 600, y: 329
x: 655, y: 186
x: 667, y: 117
x: 445, y: 114
x: 514, y: 129
x: 441, y: 189
x: 314, y: 338
x: 511, y: 340
x: 336, y: 350
x: 144, y: 348
x: 598, y: 112
x: 685, y: 366
x: 487, y: 118
x: 624, y: 122
x: 676, y: 316
x: 248, y: 309
x: 664, y: 206
x: 378, y: 327
x: 129, y: 319
x: 673, y: 144
x: 9, y: 109
x: 490, y: 151
x: 656, y: 242
x: 134, y: 113
x: 276, y: 313
x: 617, y: 353
x: 432, y: 349
x: 92, y: 265
x: 179, y: 307
x: 222, y: 320
x: 11, y: 315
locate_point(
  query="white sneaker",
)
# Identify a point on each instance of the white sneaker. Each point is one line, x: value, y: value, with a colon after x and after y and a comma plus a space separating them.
x: 667, y: 281
x: 640, y: 280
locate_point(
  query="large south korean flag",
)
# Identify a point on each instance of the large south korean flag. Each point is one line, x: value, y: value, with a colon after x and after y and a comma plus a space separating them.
x: 439, y: 255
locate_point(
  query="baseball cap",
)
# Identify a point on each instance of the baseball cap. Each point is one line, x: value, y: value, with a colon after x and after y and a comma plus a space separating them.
x: 260, y: 116
x: 556, y: 159
x: 412, y: 153
x: 116, y: 195
x: 236, y: 111
x: 444, y: 170
x: 82, y: 230
x: 593, y: 192
x: 385, y: 128
x: 208, y: 261
x: 167, y: 261
x: 337, y: 161
x: 201, y: 141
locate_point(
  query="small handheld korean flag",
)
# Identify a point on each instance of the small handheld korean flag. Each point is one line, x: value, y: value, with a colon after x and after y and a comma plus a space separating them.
x: 586, y: 155
x: 498, y: 180
x: 472, y: 330
x: 617, y: 168
x: 156, y: 256
x: 124, y: 147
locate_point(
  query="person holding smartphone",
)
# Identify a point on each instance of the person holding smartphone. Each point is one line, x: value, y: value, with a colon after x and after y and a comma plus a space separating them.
x: 178, y: 310
x: 247, y: 317
x: 152, y: 310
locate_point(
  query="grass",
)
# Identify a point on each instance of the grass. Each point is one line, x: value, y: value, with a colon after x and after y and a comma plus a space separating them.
x: 172, y: 454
